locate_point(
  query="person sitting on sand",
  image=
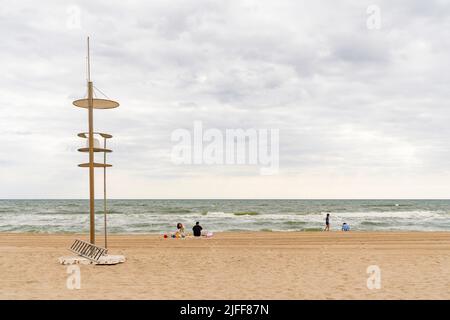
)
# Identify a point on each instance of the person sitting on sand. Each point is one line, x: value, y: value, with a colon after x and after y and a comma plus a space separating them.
x: 345, y: 227
x: 327, y: 223
x: 180, y: 231
x: 197, y: 229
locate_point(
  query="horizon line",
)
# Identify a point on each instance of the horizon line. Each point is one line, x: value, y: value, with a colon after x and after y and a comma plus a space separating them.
x: 227, y: 199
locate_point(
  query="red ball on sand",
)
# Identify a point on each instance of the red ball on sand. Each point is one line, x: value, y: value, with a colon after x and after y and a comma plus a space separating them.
x: 165, y: 236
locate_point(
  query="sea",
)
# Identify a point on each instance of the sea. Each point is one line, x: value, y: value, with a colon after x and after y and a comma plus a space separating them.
x: 161, y: 216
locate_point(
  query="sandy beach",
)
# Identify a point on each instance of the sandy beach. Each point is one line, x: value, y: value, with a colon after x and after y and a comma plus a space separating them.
x: 256, y: 265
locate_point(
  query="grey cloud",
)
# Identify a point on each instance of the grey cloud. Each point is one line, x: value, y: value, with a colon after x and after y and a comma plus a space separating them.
x: 344, y: 98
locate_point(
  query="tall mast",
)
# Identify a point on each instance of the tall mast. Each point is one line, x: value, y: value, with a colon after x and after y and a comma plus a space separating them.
x: 92, y: 103
x: 91, y: 150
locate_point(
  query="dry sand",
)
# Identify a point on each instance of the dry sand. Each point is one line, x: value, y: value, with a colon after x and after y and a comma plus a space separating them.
x: 262, y: 265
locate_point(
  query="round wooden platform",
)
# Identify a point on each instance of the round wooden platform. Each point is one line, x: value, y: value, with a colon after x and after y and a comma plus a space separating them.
x: 98, y: 103
x: 86, y: 135
x: 95, y: 150
x: 96, y: 165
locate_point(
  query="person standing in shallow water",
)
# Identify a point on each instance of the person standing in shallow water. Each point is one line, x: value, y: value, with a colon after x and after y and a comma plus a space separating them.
x: 327, y: 223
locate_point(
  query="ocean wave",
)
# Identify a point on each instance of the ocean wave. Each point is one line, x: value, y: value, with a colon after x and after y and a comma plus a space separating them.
x: 244, y: 213
x: 388, y: 214
x: 374, y: 223
x: 175, y: 210
x: 156, y: 216
x: 294, y: 223
x: 108, y: 212
x: 390, y: 205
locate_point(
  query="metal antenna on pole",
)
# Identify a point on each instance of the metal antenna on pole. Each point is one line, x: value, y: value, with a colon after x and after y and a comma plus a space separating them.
x: 104, y: 191
x: 88, y: 61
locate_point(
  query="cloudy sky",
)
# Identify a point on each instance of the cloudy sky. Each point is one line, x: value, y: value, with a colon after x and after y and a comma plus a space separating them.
x: 362, y: 112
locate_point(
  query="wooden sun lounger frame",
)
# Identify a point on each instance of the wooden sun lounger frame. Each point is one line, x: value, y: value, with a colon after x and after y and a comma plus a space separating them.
x: 88, y: 250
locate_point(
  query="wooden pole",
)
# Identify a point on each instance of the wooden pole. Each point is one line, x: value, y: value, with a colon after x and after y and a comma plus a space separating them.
x: 91, y: 154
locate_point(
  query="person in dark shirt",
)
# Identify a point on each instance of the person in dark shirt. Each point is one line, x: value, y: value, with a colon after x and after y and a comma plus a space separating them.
x: 327, y: 223
x: 197, y: 229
